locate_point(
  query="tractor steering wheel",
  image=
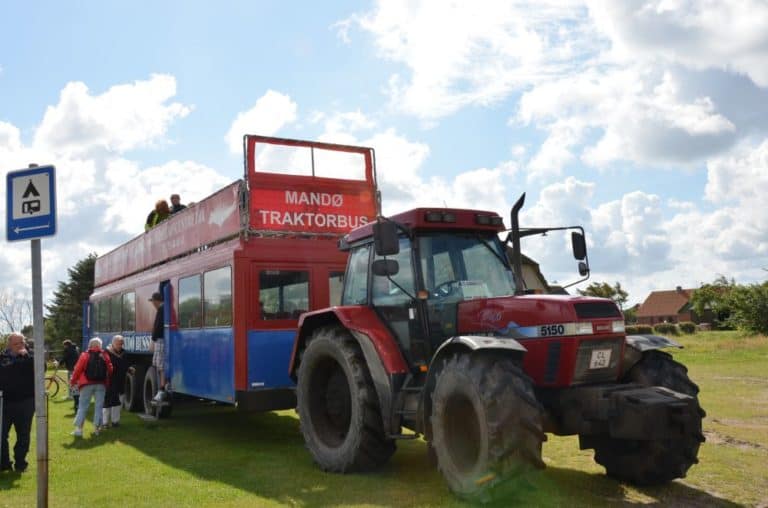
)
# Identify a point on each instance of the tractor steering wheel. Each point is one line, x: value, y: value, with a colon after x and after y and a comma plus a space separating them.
x: 445, y: 289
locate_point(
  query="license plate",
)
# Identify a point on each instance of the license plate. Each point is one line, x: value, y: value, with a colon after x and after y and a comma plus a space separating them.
x: 600, y: 359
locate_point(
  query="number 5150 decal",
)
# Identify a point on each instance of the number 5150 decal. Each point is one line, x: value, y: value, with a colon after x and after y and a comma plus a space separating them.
x: 551, y: 330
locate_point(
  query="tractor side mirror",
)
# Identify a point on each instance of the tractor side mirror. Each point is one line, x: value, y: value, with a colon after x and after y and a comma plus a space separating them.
x: 385, y: 267
x: 579, y: 247
x: 583, y: 269
x: 385, y: 241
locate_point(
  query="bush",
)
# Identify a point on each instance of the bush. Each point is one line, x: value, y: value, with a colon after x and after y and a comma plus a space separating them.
x: 666, y: 329
x: 631, y: 330
x: 644, y: 329
x: 687, y: 327
x: 750, y: 308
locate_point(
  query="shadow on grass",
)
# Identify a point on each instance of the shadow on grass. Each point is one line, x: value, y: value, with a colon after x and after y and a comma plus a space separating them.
x: 264, y: 454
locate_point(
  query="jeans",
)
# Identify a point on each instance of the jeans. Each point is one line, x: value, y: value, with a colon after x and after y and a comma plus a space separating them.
x: 97, y: 391
x: 19, y: 415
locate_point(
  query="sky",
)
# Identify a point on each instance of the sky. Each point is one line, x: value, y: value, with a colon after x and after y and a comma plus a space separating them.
x: 645, y: 122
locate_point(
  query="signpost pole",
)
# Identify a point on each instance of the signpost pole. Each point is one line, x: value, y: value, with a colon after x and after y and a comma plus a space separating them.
x: 40, y: 406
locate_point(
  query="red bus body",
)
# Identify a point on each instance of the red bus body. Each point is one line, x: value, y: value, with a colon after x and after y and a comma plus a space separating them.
x: 237, y: 269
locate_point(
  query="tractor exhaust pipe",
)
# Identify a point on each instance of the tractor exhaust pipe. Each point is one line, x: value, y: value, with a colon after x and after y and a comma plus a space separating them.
x: 517, y: 263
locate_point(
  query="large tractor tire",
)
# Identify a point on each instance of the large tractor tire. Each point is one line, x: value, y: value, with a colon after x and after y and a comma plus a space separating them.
x: 654, y: 462
x: 151, y: 384
x: 486, y: 425
x: 134, y: 386
x: 338, y: 408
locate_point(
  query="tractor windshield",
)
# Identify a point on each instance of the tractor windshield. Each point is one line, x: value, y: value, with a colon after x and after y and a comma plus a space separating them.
x: 464, y: 266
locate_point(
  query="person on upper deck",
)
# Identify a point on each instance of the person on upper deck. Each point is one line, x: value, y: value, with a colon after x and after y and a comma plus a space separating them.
x: 158, y: 215
x: 176, y: 205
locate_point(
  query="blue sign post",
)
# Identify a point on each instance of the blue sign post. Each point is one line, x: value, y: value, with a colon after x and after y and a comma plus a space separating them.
x: 31, y: 213
x: 31, y: 203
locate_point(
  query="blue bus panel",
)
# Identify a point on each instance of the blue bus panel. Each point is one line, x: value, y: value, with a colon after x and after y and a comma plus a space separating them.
x: 269, y: 352
x: 202, y: 363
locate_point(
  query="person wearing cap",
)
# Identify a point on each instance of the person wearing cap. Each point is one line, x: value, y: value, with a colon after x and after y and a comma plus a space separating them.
x: 176, y: 205
x: 158, y: 341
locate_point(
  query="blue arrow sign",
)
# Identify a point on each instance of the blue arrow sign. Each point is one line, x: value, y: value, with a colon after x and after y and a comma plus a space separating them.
x: 31, y: 203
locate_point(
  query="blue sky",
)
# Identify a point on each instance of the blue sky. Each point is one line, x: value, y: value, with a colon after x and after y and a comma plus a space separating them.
x: 644, y: 121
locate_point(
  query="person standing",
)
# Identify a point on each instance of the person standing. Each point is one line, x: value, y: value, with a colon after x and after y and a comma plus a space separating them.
x: 17, y: 382
x: 176, y: 205
x: 91, y: 376
x: 113, y: 399
x: 69, y: 359
x: 158, y: 215
x: 158, y: 344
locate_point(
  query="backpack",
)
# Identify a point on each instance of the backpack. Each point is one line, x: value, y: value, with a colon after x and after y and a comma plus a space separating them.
x: 96, y: 370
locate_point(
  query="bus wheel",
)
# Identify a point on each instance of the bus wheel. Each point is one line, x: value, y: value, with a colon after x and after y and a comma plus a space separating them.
x: 338, y: 408
x: 134, y: 384
x: 161, y: 410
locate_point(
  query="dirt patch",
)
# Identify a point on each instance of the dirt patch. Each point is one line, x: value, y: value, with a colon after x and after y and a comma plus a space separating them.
x: 723, y: 439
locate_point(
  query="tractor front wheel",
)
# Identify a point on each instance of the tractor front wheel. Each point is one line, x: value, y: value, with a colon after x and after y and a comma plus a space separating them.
x: 654, y: 462
x: 338, y: 407
x: 486, y: 425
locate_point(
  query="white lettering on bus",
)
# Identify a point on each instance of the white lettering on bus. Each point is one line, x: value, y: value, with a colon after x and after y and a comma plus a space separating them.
x: 304, y: 220
x: 314, y: 198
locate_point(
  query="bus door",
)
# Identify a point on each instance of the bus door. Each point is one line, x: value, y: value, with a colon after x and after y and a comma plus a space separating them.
x: 200, y: 337
x: 168, y: 337
x: 86, y: 323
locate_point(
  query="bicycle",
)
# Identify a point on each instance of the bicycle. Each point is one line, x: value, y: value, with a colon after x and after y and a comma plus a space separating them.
x: 53, y: 382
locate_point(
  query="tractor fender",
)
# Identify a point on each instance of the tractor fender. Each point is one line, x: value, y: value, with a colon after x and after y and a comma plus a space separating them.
x: 460, y: 343
x: 639, y: 344
x: 380, y: 350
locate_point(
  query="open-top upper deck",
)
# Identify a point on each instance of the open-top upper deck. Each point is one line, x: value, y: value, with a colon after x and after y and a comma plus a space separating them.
x: 291, y: 188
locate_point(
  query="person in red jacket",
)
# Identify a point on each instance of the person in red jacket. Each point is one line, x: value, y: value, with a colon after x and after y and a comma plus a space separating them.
x: 91, y: 376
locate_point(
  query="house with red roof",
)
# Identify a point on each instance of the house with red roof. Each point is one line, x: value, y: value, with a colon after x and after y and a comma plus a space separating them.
x: 671, y: 306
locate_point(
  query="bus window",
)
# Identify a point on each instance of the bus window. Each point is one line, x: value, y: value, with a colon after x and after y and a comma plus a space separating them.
x: 190, y: 308
x: 283, y: 294
x: 217, y: 305
x: 103, y: 316
x: 129, y: 312
x: 114, y: 313
x: 335, y: 285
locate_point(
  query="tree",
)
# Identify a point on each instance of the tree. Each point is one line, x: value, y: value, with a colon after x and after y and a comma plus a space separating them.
x: 605, y: 290
x: 65, y: 313
x: 15, y: 312
x: 749, y: 307
x: 714, y: 299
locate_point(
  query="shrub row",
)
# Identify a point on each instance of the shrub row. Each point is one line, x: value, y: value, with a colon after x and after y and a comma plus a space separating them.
x: 662, y: 328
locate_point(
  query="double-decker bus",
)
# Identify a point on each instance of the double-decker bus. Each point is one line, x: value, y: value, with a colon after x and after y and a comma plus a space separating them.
x: 236, y: 270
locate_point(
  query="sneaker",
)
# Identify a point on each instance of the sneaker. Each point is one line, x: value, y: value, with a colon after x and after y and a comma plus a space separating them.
x: 21, y: 468
x: 159, y: 396
x: 6, y: 467
x: 77, y: 433
x: 115, y: 425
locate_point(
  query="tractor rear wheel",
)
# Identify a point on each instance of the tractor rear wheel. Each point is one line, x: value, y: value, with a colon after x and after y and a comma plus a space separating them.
x: 338, y: 407
x: 654, y: 462
x: 486, y: 425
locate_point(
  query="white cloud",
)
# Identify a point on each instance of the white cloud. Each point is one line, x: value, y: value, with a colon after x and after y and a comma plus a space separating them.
x: 192, y: 181
x: 463, y: 53
x: 709, y: 34
x: 122, y: 118
x: 272, y: 111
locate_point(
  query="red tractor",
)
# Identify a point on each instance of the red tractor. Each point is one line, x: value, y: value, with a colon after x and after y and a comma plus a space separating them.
x: 436, y: 333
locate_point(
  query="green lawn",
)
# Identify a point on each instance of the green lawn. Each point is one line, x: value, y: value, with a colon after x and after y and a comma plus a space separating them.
x: 209, y: 455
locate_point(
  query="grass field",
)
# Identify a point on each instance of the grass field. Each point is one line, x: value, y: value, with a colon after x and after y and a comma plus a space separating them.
x: 209, y: 455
